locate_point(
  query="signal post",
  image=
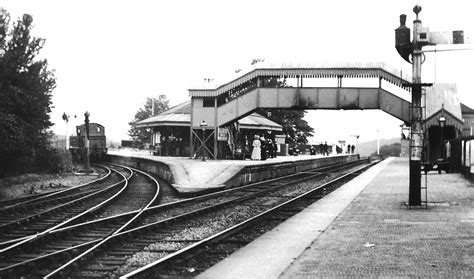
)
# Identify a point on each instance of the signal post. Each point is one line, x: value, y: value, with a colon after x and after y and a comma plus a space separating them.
x: 406, y: 48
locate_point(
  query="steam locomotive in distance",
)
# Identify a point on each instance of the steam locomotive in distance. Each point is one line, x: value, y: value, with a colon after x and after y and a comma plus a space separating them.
x: 97, y: 142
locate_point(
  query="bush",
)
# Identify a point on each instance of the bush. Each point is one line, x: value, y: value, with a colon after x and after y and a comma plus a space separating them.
x: 54, y: 160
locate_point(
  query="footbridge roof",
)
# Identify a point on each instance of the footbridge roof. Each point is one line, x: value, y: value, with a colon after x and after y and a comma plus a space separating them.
x: 378, y: 70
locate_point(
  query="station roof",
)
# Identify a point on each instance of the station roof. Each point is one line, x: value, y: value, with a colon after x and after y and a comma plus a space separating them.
x: 466, y: 110
x: 443, y: 99
x: 180, y: 115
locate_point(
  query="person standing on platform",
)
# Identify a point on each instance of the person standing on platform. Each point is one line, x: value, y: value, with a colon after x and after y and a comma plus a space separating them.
x: 321, y: 149
x: 263, y: 148
x: 256, y: 149
x: 353, y: 149
x: 348, y: 149
x: 270, y: 148
x: 275, y: 148
x: 325, y: 149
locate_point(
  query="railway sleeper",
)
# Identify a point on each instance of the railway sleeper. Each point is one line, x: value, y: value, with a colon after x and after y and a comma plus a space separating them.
x: 118, y: 253
x: 88, y: 274
x: 161, y: 250
x: 111, y: 261
x: 237, y: 241
x: 115, y: 258
x: 97, y: 267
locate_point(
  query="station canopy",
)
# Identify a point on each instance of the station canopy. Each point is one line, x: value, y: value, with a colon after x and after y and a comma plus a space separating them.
x: 180, y: 115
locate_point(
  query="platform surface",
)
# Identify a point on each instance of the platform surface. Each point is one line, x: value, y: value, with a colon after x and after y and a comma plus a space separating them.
x: 363, y: 229
x: 196, y: 174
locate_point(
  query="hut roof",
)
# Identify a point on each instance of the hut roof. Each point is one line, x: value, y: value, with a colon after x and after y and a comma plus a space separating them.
x: 443, y: 99
x: 180, y: 115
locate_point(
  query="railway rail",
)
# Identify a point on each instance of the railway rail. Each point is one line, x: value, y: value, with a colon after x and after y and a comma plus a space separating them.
x: 118, y: 253
x: 137, y: 195
x: 38, y: 221
x: 208, y: 250
x: 30, y: 201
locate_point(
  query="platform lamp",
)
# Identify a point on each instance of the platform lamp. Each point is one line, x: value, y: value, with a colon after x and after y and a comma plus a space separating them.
x: 203, y: 128
x: 442, y: 123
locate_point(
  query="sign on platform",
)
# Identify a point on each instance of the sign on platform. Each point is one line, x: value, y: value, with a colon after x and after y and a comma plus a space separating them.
x: 416, y: 153
x: 280, y: 139
x: 222, y: 134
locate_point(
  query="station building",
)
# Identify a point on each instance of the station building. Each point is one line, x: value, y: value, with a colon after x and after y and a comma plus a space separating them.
x: 171, y: 133
x: 448, y: 128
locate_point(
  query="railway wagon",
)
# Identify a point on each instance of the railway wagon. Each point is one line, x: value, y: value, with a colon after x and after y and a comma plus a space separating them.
x: 97, y: 142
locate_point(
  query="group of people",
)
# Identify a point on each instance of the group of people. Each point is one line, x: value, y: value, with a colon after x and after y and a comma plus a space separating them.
x: 171, y: 146
x: 350, y: 149
x: 263, y: 148
x: 323, y: 149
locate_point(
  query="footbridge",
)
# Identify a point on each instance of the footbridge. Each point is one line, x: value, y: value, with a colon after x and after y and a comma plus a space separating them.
x: 222, y: 106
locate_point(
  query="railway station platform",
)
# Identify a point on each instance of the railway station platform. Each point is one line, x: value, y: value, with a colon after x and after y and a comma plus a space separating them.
x: 190, y: 176
x: 364, y: 229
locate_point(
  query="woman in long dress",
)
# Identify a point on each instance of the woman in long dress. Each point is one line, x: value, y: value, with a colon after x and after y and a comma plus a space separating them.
x: 256, y: 149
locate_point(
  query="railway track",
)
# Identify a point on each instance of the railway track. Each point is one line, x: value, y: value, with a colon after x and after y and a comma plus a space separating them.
x: 153, y: 240
x: 205, y: 251
x: 42, y: 219
x: 22, y: 258
x: 32, y: 201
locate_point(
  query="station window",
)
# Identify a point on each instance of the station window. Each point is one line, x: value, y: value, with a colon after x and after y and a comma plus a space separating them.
x: 208, y: 102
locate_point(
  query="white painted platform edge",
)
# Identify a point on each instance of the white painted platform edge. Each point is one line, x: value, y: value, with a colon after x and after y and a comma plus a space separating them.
x: 263, y: 258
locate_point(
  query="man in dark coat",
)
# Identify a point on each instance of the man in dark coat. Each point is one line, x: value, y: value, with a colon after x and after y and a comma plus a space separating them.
x: 263, y: 148
x: 271, y: 151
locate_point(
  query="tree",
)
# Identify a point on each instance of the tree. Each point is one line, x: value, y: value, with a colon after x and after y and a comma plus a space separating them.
x: 296, y: 129
x: 25, y: 93
x: 139, y: 135
x: 391, y: 150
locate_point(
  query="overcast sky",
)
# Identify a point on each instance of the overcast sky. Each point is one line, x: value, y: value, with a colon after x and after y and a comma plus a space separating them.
x: 109, y: 56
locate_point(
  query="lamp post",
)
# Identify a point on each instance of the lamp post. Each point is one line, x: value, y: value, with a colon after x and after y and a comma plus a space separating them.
x: 86, y: 140
x: 442, y: 122
x: 203, y: 127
